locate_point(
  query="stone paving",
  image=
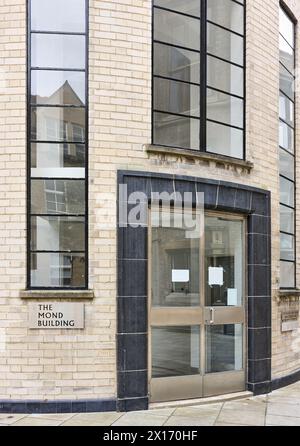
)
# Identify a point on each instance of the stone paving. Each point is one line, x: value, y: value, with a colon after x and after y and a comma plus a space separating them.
x: 280, y: 408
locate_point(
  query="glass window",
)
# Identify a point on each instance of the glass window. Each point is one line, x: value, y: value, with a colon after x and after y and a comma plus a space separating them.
x: 58, y: 270
x: 191, y: 7
x: 57, y: 160
x: 287, y: 220
x: 225, y: 44
x: 286, y: 137
x: 176, y: 131
x: 224, y: 140
x: 57, y: 234
x: 225, y: 108
x: 287, y: 85
x: 224, y: 348
x: 187, y: 73
x: 58, y: 124
x: 177, y: 29
x: 287, y: 55
x: 225, y: 76
x: 57, y: 87
x: 176, y: 97
x: 287, y: 164
x: 287, y: 247
x: 176, y: 63
x: 57, y: 196
x: 57, y: 51
x: 58, y: 15
x: 226, y: 13
x: 287, y: 192
x: 286, y: 109
x: 175, y: 351
x: 286, y: 27
x: 287, y: 274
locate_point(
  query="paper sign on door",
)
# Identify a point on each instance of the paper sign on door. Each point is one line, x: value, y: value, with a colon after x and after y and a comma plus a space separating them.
x: 215, y: 276
x: 180, y: 275
x: 232, y: 297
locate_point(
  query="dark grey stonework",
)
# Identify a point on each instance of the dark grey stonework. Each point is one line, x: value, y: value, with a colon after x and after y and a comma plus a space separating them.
x: 132, y: 280
x: 63, y: 406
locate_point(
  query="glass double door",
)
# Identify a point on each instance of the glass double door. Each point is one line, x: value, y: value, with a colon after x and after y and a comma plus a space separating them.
x: 196, y: 305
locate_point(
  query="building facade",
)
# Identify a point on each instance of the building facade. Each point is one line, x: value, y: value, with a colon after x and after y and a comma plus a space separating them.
x: 112, y: 113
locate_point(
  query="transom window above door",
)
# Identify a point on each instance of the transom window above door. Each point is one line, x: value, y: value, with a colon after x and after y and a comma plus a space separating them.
x: 198, y: 75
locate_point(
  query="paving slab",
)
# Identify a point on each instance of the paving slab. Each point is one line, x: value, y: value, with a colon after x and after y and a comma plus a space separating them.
x: 34, y: 421
x: 141, y: 419
x: 191, y: 421
x: 93, y: 419
x: 283, y: 409
x: 279, y: 420
x: 8, y: 419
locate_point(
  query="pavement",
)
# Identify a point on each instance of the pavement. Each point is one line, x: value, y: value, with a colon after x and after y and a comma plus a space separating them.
x: 280, y: 408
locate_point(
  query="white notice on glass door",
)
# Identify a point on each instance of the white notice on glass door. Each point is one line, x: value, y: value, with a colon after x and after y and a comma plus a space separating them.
x: 232, y: 297
x: 215, y: 276
x: 180, y: 275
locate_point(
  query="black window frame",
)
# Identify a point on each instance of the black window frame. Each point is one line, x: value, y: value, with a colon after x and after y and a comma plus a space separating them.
x: 203, y: 20
x: 285, y: 9
x: 85, y: 144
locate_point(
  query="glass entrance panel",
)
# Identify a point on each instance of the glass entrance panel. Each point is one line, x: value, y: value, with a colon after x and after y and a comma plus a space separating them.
x: 175, y: 351
x: 224, y: 348
x: 224, y: 260
x: 175, y: 260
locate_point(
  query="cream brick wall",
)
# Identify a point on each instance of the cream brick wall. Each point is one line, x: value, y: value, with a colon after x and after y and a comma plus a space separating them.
x: 75, y: 364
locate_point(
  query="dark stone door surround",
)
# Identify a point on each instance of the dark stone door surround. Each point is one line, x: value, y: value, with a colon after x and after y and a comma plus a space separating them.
x: 132, y: 342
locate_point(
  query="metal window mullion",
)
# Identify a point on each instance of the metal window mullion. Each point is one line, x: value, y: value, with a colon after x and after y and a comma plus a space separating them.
x: 203, y: 75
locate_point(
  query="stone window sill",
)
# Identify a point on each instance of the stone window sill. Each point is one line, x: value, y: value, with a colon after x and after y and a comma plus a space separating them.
x: 194, y: 154
x: 293, y: 295
x: 57, y: 294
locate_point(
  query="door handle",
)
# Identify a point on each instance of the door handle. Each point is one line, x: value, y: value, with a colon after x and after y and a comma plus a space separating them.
x: 212, y: 315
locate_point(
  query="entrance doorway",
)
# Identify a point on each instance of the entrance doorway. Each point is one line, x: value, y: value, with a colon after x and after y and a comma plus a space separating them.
x: 197, y: 336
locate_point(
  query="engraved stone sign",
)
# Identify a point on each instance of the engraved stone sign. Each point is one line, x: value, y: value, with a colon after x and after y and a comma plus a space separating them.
x: 55, y: 315
x: 289, y: 321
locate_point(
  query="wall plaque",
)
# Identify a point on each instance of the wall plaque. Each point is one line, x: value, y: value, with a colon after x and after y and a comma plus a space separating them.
x: 289, y: 321
x: 57, y: 315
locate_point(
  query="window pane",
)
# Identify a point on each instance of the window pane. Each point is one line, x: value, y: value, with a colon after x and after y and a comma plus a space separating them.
x: 286, y: 27
x: 286, y: 137
x: 287, y: 84
x: 225, y: 76
x: 57, y: 270
x: 176, y: 63
x: 57, y: 234
x: 286, y: 109
x: 226, y: 13
x: 175, y: 260
x: 176, y: 29
x: 176, y: 97
x: 175, y: 351
x: 287, y: 220
x: 287, y: 247
x: 287, y: 167
x: 57, y: 196
x: 225, y: 108
x: 176, y: 131
x: 225, y: 140
x: 287, y: 275
x: 57, y: 160
x: 58, y: 15
x: 57, y: 51
x: 191, y: 7
x: 224, y: 348
x: 58, y: 124
x: 57, y: 87
x: 287, y: 56
x: 287, y: 190
x: 225, y: 44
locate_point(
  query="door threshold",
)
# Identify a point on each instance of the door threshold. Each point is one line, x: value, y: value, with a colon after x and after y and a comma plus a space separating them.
x: 202, y: 401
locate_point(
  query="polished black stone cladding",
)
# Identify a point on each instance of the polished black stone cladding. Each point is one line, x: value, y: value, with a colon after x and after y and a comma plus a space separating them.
x: 132, y: 340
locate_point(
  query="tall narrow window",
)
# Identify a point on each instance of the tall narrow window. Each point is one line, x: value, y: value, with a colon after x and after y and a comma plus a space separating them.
x: 198, y: 75
x: 287, y: 149
x: 57, y: 144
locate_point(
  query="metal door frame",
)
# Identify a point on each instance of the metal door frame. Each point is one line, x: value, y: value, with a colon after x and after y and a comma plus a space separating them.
x: 194, y: 386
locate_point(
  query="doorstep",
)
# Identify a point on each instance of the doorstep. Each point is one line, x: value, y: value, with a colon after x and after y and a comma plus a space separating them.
x: 202, y: 401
